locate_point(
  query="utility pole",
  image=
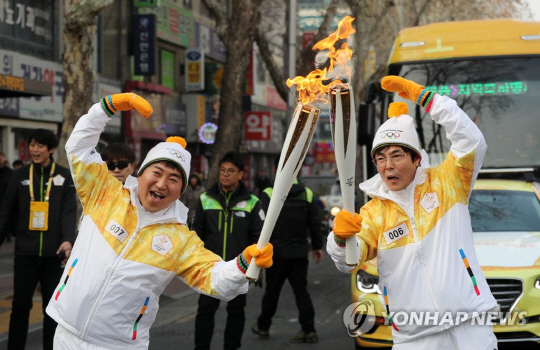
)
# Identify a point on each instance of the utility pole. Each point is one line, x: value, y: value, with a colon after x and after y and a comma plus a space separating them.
x: 293, y: 12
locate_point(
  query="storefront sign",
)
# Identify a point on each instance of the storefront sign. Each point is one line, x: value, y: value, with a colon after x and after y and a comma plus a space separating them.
x: 207, y: 39
x: 174, y: 23
x: 207, y: 133
x: 144, y: 49
x: 29, y: 24
x: 44, y: 108
x: 167, y: 68
x: 258, y: 126
x: 194, y: 69
x: 274, y: 100
x: 324, y: 152
x: 175, y: 118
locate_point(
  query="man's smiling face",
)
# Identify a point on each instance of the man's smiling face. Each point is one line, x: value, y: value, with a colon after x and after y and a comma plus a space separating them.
x: 396, y: 167
x: 159, y: 186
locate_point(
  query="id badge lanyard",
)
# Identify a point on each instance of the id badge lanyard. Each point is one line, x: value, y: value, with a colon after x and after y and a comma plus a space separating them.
x: 39, y: 210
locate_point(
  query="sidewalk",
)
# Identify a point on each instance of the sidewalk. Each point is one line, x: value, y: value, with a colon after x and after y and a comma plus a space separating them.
x: 177, y: 301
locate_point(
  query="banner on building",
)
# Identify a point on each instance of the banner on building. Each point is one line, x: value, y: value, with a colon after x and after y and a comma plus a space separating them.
x: 43, y: 108
x: 28, y: 25
x: 144, y: 48
x: 258, y: 126
x: 194, y: 69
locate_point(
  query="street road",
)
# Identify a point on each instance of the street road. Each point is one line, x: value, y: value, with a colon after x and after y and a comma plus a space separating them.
x: 330, y: 292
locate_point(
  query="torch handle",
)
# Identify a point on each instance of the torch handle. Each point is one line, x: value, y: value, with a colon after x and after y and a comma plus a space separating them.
x: 274, y: 208
x: 292, y: 156
x: 344, y: 135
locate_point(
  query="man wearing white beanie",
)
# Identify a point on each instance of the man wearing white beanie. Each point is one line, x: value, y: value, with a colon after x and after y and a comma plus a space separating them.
x: 418, y: 226
x: 133, y: 240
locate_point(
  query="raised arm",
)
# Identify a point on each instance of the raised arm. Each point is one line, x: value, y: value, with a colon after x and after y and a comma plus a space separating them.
x: 89, y: 173
x: 468, y: 145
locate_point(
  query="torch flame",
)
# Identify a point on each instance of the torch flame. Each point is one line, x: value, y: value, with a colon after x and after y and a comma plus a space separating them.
x: 343, y: 54
x: 311, y: 88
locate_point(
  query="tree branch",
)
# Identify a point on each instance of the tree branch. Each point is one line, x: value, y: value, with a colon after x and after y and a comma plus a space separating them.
x: 270, y: 63
x: 305, y: 65
x: 221, y: 19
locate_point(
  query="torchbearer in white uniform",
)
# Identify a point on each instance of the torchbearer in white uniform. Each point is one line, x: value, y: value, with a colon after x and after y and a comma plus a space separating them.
x: 133, y: 240
x: 418, y: 226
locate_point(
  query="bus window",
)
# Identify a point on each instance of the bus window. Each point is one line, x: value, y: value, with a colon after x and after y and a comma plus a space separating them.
x: 501, y: 95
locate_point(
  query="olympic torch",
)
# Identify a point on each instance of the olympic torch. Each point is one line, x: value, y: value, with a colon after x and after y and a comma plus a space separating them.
x: 292, y: 156
x: 343, y: 127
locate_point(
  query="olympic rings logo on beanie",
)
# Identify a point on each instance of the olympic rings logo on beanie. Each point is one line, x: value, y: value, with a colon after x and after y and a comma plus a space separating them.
x: 390, y: 134
x: 176, y: 154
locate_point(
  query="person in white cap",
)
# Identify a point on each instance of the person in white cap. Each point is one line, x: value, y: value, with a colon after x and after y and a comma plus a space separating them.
x: 133, y: 240
x: 418, y: 226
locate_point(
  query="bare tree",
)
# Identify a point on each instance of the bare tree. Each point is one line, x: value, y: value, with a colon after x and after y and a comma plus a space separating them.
x: 237, y: 34
x: 79, y: 30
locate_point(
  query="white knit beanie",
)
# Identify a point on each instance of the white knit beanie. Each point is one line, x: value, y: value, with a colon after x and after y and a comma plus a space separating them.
x: 397, y: 131
x: 172, y: 150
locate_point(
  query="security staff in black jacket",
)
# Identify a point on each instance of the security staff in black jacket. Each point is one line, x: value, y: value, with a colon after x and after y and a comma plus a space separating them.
x: 43, y: 237
x: 298, y: 218
x: 227, y: 219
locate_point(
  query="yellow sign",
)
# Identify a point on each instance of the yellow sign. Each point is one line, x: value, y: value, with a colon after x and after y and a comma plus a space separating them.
x: 11, y: 83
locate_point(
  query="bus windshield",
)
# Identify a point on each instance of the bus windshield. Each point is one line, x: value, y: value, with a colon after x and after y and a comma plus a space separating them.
x: 501, y: 95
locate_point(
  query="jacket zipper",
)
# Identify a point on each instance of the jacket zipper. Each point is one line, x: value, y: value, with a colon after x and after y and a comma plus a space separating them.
x: 419, y: 250
x: 108, y: 280
x: 41, y: 198
x: 226, y: 212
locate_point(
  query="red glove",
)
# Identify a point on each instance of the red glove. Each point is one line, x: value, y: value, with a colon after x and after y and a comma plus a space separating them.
x: 346, y: 224
x: 125, y: 102
x: 405, y: 88
x: 263, y: 257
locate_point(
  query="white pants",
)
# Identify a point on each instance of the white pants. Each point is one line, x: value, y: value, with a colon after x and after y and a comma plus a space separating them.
x: 461, y: 337
x: 65, y: 340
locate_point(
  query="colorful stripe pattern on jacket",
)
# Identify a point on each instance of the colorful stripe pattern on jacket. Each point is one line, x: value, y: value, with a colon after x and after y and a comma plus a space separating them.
x: 469, y: 270
x: 143, y: 309
x: 66, y: 280
x: 388, y: 310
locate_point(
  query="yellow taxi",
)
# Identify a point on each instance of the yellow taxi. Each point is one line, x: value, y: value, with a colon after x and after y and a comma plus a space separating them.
x: 505, y: 217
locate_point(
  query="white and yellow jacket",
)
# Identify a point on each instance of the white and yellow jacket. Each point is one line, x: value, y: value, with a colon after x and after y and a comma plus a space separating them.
x: 422, y: 237
x: 124, y: 257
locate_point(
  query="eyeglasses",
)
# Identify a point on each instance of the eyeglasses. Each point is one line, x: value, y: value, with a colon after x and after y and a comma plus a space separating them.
x: 380, y: 160
x: 120, y: 165
x: 224, y: 171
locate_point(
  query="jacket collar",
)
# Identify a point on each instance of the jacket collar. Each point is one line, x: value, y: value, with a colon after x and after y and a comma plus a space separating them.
x: 175, y: 213
x: 375, y: 187
x: 240, y: 193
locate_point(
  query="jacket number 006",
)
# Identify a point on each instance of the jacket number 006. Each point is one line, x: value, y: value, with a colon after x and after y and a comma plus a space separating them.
x: 395, y: 233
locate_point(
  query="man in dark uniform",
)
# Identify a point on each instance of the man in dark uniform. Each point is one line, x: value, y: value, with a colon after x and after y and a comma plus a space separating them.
x: 298, y: 218
x: 227, y: 219
x: 40, y: 201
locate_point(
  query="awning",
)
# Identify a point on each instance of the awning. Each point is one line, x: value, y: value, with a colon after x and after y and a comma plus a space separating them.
x: 11, y: 86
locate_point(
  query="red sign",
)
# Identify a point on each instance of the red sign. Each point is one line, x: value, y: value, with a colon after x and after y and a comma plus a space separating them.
x: 23, y: 150
x: 258, y: 126
x: 274, y: 100
x: 323, y: 152
x: 307, y: 39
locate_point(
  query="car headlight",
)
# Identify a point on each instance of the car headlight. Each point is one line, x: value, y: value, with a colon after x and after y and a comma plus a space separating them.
x: 367, y: 283
x: 335, y: 210
x: 537, y: 283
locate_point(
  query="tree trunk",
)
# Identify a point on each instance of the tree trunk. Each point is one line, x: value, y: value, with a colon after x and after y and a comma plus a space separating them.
x: 238, y: 38
x: 78, y: 34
